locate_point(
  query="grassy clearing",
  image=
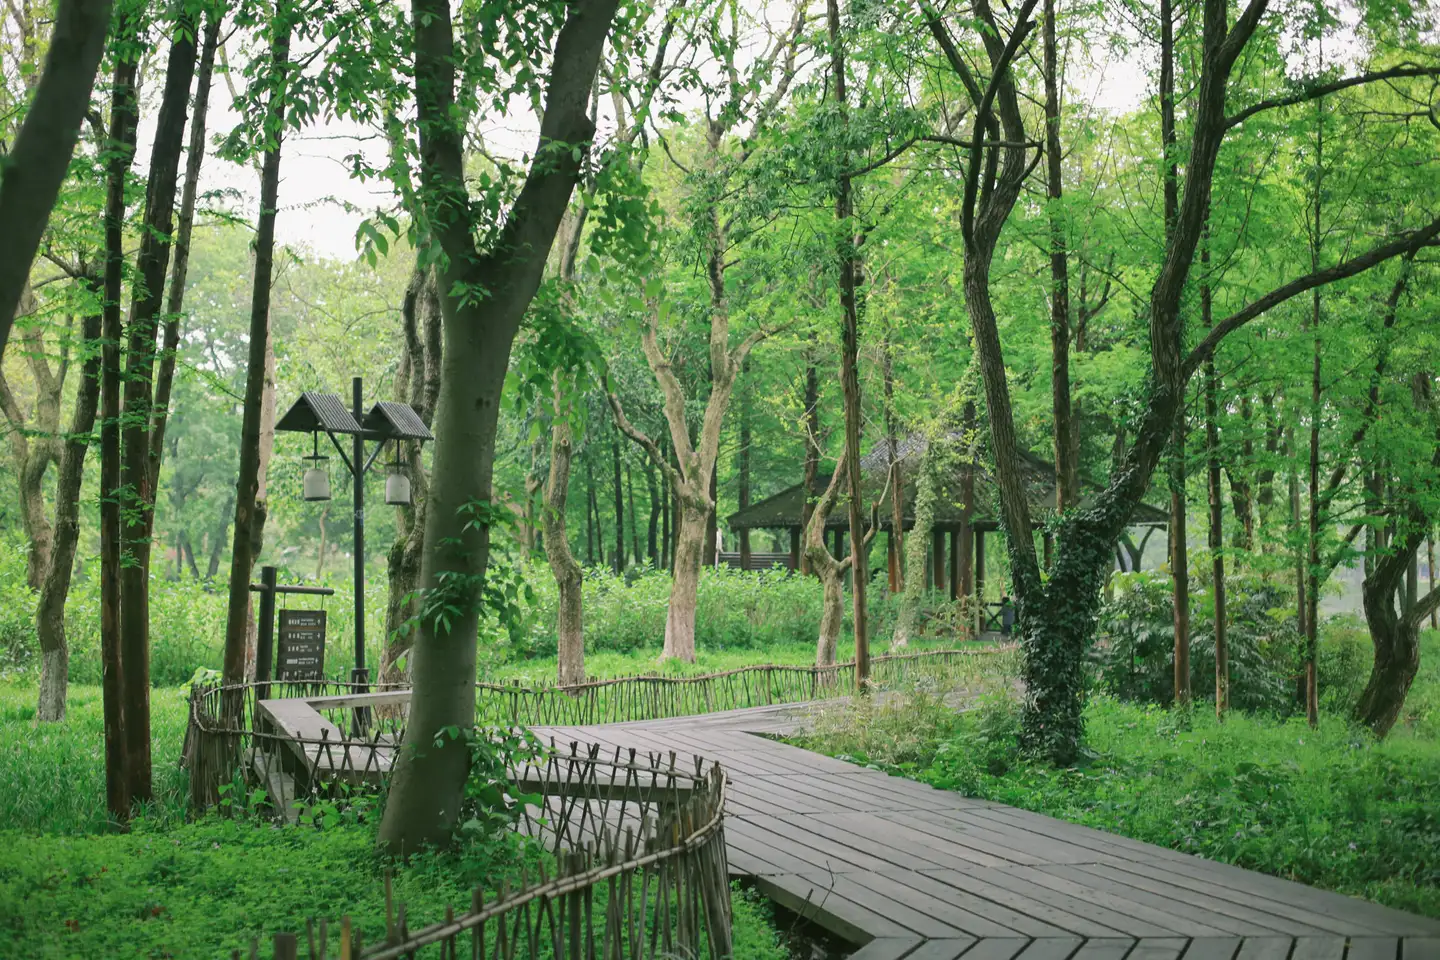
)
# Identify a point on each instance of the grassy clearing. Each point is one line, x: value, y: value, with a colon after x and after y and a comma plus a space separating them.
x: 1329, y: 807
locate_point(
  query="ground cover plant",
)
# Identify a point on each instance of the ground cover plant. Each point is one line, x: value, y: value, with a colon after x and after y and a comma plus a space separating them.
x: 1328, y: 806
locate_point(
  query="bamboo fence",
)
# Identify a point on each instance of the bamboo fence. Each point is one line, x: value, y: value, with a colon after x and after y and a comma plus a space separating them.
x: 230, y: 741
x: 636, y: 849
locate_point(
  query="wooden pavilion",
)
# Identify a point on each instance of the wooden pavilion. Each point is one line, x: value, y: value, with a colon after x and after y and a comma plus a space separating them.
x: 965, y: 511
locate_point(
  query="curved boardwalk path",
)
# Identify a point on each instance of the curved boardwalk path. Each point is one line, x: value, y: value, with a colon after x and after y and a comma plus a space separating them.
x: 912, y: 872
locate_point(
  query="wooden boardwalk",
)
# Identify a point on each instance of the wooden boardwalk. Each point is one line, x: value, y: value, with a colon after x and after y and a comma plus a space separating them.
x: 907, y: 871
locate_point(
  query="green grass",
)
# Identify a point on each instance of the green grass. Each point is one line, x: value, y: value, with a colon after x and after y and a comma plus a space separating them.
x: 72, y: 886
x: 1328, y: 807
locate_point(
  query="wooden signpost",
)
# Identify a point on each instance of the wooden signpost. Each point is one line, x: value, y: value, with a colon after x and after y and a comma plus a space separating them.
x: 302, y: 646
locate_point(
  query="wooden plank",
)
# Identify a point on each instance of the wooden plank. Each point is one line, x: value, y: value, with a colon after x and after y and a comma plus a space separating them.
x: 383, y: 699
x: 996, y: 948
x: 951, y: 949
x: 1318, y: 948
x: 1133, y: 904
x: 1265, y: 948
x: 1304, y: 920
x: 1373, y: 948
x: 903, y: 835
x: 1099, y: 948
x: 1419, y: 948
x: 1212, y: 948
x: 1050, y: 948
x: 1027, y: 915
x: 888, y: 948
x: 847, y: 920
x: 1158, y: 948
x: 1223, y: 916
x: 1123, y: 922
x: 967, y: 921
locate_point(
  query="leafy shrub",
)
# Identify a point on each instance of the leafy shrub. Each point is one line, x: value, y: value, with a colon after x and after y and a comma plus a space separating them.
x: 1343, y: 662
x: 1135, y: 654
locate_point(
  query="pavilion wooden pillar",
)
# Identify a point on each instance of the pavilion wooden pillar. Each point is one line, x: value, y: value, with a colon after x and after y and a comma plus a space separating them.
x: 938, y: 565
x: 954, y: 563
x: 980, y: 569
x: 892, y: 562
x: 795, y: 548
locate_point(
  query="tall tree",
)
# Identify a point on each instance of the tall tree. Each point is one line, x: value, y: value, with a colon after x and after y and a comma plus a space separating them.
x: 249, y: 507
x: 485, y: 293
x: 1056, y: 616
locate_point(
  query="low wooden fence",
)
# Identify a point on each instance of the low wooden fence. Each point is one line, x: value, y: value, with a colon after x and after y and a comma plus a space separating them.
x: 633, y: 868
x: 246, y: 734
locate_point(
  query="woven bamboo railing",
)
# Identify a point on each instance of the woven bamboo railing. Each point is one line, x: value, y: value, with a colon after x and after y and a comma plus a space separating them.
x: 227, y: 742
x: 637, y: 871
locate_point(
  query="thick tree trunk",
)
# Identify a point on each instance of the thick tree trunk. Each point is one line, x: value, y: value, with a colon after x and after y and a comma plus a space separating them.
x: 428, y: 783
x: 121, y: 148
x: 39, y: 156
x: 832, y: 617
x: 847, y: 253
x: 1312, y: 540
x: 570, y: 617
x: 908, y: 620
x: 684, y: 592
x: 247, y: 486
x: 50, y: 610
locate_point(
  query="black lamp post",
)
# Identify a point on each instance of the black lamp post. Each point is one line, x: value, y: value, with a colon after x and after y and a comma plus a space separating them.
x: 386, y: 422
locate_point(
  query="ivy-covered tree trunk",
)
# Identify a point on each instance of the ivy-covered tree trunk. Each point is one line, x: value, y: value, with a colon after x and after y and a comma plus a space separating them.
x: 916, y: 545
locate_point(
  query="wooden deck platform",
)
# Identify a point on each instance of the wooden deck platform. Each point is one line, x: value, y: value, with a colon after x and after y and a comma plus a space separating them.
x: 908, y: 872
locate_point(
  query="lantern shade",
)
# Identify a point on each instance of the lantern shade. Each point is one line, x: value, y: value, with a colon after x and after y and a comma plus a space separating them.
x: 397, y: 489
x: 316, y: 485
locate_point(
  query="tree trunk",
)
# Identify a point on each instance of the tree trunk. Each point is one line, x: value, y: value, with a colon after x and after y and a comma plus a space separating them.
x: 636, y: 552
x: 811, y: 419
x: 1312, y: 539
x: 39, y: 156
x: 247, y: 486
x: 180, y: 268
x: 832, y: 617
x: 428, y: 783
x: 417, y: 384
x: 908, y: 620
x: 847, y: 253
x: 570, y: 617
x: 742, y: 493
x: 1180, y: 565
x: 1216, y: 498
x: 50, y: 610
x: 658, y: 510
x: 619, y: 558
x: 152, y: 264
x: 121, y: 149
x: 897, y: 476
x: 684, y: 592
x: 1067, y: 470
x: 591, y: 514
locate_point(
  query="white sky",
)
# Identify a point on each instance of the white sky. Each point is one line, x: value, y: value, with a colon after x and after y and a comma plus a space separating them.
x: 316, y: 187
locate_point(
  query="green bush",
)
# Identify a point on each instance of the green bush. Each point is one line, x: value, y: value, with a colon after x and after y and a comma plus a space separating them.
x: 1134, y: 656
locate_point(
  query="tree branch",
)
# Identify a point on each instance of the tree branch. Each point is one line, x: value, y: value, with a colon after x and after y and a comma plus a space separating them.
x: 1404, y: 243
x: 640, y: 438
x: 1313, y: 91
